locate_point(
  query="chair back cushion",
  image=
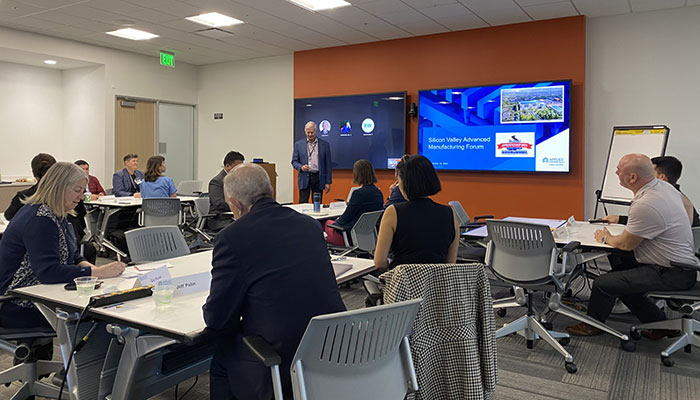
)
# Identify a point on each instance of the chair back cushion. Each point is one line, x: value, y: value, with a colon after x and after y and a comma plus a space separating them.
x: 520, y: 252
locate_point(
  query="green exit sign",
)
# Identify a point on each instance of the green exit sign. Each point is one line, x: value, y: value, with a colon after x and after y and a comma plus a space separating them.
x: 167, y: 59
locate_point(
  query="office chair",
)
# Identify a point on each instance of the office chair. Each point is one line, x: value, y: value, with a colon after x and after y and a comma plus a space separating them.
x: 155, y: 243
x: 525, y: 256
x: 453, y: 340
x: 363, y: 233
x: 161, y: 211
x: 689, y: 301
x: 351, y: 355
x: 30, y: 370
x: 469, y: 251
x: 196, y: 226
x: 189, y: 188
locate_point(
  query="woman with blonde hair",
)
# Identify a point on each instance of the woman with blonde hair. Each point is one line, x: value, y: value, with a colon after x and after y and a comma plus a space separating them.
x: 155, y: 184
x: 39, y: 246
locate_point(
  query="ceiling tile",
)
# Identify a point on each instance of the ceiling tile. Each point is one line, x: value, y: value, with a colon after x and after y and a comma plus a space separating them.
x: 83, y: 11
x: 460, y: 23
x: 172, y: 7
x: 651, y: 5
x: 380, y: 7
x: 421, y: 4
x: 16, y: 9
x: 341, y: 32
x: 44, y: 4
x: 551, y: 10
x: 497, y: 12
x: 448, y: 10
x: 528, y: 3
x: 427, y: 27
x: 599, y: 8
x: 37, y: 22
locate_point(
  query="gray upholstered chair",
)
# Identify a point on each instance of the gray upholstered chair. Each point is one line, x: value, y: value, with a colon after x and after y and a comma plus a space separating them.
x: 351, y: 355
x: 363, y: 233
x: 155, y: 243
x: 189, y: 188
x: 525, y: 256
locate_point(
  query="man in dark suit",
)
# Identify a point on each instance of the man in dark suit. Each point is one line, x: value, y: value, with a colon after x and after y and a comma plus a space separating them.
x: 271, y: 274
x: 312, y: 158
x: 217, y: 201
x: 126, y: 182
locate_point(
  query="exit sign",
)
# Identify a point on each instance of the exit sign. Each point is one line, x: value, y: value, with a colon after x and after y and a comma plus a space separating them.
x: 167, y: 59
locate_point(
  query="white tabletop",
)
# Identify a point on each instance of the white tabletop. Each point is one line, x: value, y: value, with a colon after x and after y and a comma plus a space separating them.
x: 580, y: 231
x: 128, y: 201
x: 182, y: 320
x: 3, y: 223
x: 325, y: 213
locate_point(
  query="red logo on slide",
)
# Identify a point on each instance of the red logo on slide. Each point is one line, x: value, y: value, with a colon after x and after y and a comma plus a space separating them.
x: 514, y: 146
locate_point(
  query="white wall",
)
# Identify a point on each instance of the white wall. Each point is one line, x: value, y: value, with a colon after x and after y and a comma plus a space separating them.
x: 643, y: 69
x: 125, y: 73
x: 31, y: 116
x: 256, y: 98
x: 84, y: 118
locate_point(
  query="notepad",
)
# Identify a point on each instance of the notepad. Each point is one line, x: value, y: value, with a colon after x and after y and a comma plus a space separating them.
x: 341, y: 268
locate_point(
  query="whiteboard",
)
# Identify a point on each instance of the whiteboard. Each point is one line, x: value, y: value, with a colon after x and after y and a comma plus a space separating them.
x: 647, y: 140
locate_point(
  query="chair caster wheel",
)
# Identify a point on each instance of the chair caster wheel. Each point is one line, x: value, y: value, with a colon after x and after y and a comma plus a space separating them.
x: 571, y: 367
x: 667, y: 361
x: 635, y: 334
x: 628, y: 345
x: 564, y: 341
x: 688, y: 348
x: 530, y: 344
x: 501, y: 312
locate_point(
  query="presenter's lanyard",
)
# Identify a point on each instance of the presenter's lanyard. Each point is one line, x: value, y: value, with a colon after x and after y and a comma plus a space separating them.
x: 313, y: 148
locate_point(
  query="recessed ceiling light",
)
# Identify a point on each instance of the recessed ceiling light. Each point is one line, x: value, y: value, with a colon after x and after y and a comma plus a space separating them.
x: 50, y: 62
x: 214, y: 19
x: 316, y: 5
x: 133, y: 34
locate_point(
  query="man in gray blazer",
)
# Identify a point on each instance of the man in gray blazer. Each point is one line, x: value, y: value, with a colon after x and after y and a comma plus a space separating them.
x: 217, y: 202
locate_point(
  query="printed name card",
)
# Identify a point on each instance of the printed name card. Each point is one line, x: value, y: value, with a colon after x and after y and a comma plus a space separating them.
x: 192, y: 283
x: 153, y: 277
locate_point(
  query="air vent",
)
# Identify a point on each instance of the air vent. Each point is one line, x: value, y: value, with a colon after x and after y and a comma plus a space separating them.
x: 215, y: 33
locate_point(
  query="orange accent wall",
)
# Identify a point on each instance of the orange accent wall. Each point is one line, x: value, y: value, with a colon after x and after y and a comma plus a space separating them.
x: 543, y: 50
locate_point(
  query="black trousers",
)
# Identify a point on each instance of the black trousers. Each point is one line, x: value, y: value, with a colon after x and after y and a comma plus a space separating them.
x: 314, y: 186
x: 630, y: 281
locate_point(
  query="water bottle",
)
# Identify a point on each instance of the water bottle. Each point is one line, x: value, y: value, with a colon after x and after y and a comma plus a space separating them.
x: 317, y: 202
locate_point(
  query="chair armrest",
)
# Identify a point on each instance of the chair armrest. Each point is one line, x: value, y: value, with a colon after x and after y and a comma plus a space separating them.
x: 262, y: 350
x: 686, y: 266
x: 472, y: 225
x: 336, y: 227
x: 482, y: 217
x: 571, y: 246
x: 5, y: 298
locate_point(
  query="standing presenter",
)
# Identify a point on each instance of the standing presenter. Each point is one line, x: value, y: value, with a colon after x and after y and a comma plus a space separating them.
x: 312, y: 158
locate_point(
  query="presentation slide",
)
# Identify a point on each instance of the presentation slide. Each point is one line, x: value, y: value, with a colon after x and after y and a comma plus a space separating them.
x: 368, y: 126
x: 514, y: 127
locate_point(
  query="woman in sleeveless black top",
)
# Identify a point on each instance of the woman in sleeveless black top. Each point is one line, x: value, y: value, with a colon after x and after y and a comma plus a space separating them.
x: 419, y: 230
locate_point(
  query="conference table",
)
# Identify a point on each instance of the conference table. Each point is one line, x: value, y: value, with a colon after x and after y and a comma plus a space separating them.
x: 564, y: 231
x: 126, y: 354
x: 107, y: 206
x: 334, y: 210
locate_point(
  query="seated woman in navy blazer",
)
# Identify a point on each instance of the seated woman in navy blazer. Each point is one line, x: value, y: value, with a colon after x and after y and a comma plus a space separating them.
x: 39, y: 245
x: 419, y: 231
x: 155, y: 184
x: 365, y: 199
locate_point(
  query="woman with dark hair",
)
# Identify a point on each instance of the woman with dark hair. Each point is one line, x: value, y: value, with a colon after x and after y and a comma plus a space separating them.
x: 419, y: 230
x: 365, y: 199
x: 155, y: 184
x: 40, y: 164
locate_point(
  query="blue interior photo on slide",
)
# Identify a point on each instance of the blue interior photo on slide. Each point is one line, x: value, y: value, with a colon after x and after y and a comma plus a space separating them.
x: 513, y: 127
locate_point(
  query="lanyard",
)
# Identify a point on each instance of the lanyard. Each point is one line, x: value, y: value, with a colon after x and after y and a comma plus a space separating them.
x: 313, y: 148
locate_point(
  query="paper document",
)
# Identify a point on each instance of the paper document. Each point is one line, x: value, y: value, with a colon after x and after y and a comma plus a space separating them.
x: 341, y: 268
x: 152, y: 266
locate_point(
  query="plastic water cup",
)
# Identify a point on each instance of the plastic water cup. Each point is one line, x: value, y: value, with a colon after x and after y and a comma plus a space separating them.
x: 163, y: 295
x: 85, y: 285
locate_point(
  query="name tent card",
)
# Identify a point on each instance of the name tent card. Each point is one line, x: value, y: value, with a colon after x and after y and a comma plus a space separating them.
x: 153, y: 277
x: 192, y: 283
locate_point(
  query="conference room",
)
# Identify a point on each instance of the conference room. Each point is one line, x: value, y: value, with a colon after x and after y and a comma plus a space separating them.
x: 196, y: 92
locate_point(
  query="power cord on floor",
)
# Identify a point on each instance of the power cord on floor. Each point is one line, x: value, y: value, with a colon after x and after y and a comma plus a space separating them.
x: 77, y: 346
x: 196, y: 378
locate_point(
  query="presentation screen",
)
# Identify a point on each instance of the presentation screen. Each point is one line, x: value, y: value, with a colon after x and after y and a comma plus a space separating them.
x: 514, y: 127
x: 369, y: 126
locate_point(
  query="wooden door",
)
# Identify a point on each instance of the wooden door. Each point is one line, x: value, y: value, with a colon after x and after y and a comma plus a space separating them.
x: 134, y: 131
